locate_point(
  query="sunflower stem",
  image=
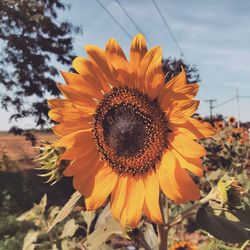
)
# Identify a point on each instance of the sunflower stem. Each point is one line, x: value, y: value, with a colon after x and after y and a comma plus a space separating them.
x: 189, y: 211
x: 162, y: 229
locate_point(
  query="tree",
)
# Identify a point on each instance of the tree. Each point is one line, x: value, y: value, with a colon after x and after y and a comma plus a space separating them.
x: 172, y: 67
x: 32, y: 39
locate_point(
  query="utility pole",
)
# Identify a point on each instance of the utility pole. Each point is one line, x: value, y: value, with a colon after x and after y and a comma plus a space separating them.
x: 211, y: 107
x: 238, y: 108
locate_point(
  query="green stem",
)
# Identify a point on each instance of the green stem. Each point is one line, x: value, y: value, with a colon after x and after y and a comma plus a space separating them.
x: 162, y: 230
x: 189, y: 211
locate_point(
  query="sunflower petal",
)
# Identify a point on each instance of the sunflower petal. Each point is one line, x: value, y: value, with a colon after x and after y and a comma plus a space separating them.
x: 90, y: 73
x: 69, y: 127
x: 175, y: 181
x: 77, y: 98
x: 87, y: 85
x: 194, y: 165
x: 134, y: 200
x: 166, y: 176
x: 181, y: 111
x: 117, y: 58
x: 105, y: 181
x: 98, y: 58
x: 118, y: 197
x: 186, y: 146
x: 194, y: 128
x: 138, y: 50
x: 151, y: 203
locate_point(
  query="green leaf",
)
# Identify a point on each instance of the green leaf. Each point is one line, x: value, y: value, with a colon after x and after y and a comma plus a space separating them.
x: 29, y: 239
x: 222, y: 228
x: 67, y: 209
x: 102, y: 233
x: 150, y: 236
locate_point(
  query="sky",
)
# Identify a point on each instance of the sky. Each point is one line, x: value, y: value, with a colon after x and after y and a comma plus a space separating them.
x: 214, y: 35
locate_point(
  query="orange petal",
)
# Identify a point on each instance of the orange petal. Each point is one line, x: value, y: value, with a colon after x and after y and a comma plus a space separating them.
x: 134, y: 200
x: 151, y: 204
x: 115, y: 55
x: 90, y: 73
x: 195, y: 129
x: 154, y: 78
x: 77, y: 98
x: 175, y: 181
x: 79, y: 149
x: 189, y: 190
x: 105, y: 181
x: 181, y: 111
x: 194, y: 165
x: 147, y: 69
x: 83, y: 180
x: 69, y: 127
x: 73, y: 138
x: 70, y: 113
x: 89, y: 86
x: 81, y: 163
x: 118, y: 197
x: 186, y: 146
x: 98, y: 58
x: 59, y: 103
x: 179, y: 80
x: 205, y: 128
x: 138, y: 50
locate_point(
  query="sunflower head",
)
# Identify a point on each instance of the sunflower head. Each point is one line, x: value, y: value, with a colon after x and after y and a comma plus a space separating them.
x: 183, y: 245
x: 231, y: 120
x: 231, y: 191
x: 127, y: 133
x: 50, y: 163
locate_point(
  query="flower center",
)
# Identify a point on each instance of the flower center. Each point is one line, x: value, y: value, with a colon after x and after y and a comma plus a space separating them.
x: 130, y: 131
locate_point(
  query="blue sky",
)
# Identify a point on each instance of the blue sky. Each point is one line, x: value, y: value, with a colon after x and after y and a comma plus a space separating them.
x: 214, y: 35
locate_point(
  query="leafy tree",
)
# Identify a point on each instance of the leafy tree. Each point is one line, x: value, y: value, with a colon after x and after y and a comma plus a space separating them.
x: 32, y: 39
x: 172, y: 67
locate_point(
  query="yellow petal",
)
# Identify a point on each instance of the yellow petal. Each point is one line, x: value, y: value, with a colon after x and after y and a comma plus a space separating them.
x: 134, y: 200
x: 194, y: 165
x: 186, y: 146
x: 118, y: 197
x: 166, y: 177
x: 151, y: 204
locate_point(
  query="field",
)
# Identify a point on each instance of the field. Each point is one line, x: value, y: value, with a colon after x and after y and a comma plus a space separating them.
x: 227, y: 154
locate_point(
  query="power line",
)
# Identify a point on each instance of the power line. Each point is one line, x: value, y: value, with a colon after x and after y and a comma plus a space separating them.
x: 132, y: 20
x: 169, y: 29
x: 227, y: 101
x: 114, y: 19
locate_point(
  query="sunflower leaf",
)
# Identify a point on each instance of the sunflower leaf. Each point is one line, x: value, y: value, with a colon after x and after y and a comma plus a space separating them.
x: 227, y: 226
x: 67, y: 209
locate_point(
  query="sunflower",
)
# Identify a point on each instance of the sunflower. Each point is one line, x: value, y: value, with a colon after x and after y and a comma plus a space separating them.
x: 127, y: 134
x: 183, y: 245
x: 231, y: 120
